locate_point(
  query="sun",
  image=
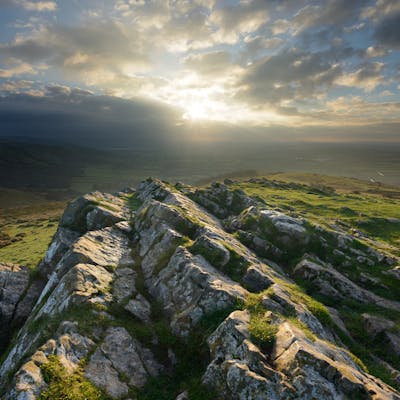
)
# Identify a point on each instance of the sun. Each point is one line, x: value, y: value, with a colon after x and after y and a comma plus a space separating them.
x: 196, y: 111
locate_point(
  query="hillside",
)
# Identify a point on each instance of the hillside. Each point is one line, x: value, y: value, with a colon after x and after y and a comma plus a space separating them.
x: 268, y: 288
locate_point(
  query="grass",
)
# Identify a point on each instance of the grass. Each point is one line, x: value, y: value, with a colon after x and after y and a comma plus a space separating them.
x: 371, y: 209
x: 30, y: 229
x: 262, y: 331
x: 64, y: 386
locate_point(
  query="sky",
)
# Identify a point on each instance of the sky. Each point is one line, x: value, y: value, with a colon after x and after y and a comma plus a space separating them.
x: 278, y: 69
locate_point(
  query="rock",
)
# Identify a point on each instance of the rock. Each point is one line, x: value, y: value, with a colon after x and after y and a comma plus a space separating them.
x: 107, y: 248
x: 159, y: 254
x: 282, y: 300
x: 81, y: 283
x: 69, y: 346
x: 29, y: 383
x: 102, y: 374
x: 14, y: 281
x: 374, y: 325
x: 220, y: 200
x: 189, y: 288
x: 395, y: 272
x: 128, y: 357
x: 140, y: 308
x: 93, y: 211
x: 166, y: 266
x: 393, y: 341
x: 183, y: 396
x: 330, y: 282
x: 238, y: 369
x: 124, y: 284
x: 326, y: 372
x: 256, y: 280
x: 213, y: 250
x: 60, y: 244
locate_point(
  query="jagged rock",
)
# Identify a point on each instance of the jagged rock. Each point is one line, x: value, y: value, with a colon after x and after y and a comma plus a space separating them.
x: 140, y: 308
x: 101, y: 217
x: 29, y: 383
x: 281, y: 300
x: 213, y: 250
x: 107, y: 248
x: 326, y: 371
x: 124, y: 284
x: 60, y: 244
x: 101, y: 373
x: 81, y: 283
x: 128, y: 357
x: 14, y: 281
x: 221, y: 201
x: 256, y: 279
x: 93, y: 211
x: 159, y: 253
x: 395, y: 272
x: 375, y: 325
x: 285, y: 230
x: 70, y: 347
x: 169, y: 262
x: 393, y: 341
x: 183, y: 396
x: 238, y: 369
x: 189, y: 288
x: 330, y: 282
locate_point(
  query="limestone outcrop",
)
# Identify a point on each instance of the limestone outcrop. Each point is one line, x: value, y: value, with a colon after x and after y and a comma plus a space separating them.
x: 191, y: 293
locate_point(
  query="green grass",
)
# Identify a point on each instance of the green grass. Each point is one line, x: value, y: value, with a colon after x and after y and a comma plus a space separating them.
x: 30, y: 230
x: 133, y: 202
x: 367, y: 210
x: 64, y: 386
x: 262, y: 331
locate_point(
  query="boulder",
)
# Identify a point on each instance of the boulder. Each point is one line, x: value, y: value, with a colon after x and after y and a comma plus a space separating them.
x: 14, y: 280
x: 93, y: 211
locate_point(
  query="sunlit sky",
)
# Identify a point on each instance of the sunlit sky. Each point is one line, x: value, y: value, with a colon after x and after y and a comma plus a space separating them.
x: 255, y: 62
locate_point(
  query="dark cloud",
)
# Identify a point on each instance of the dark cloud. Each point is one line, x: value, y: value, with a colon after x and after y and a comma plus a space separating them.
x: 77, y: 116
x: 388, y: 31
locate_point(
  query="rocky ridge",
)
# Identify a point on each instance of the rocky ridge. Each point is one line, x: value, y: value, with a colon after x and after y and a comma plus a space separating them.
x: 182, y: 293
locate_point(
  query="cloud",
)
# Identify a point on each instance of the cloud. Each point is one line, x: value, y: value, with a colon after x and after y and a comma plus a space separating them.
x: 31, y: 5
x: 254, y: 45
x: 291, y: 75
x: 388, y: 32
x: 97, y: 53
x: 334, y: 13
x: 368, y: 76
x: 37, y: 5
x: 211, y: 64
x: 376, y: 51
x: 74, y: 115
x: 9, y: 87
x: 19, y: 68
x: 235, y: 20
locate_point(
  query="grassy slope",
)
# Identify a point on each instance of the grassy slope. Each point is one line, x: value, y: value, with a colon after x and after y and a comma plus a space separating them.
x: 27, y: 230
x: 373, y: 209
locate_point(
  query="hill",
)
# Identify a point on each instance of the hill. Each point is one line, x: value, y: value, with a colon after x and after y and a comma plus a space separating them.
x: 247, y: 289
